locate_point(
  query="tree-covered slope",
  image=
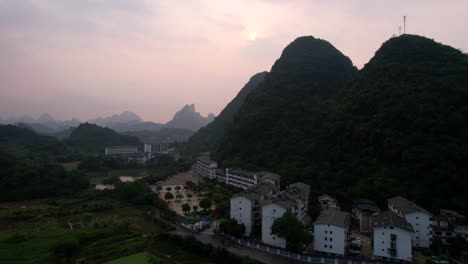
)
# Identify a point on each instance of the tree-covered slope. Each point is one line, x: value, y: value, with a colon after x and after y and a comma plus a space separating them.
x: 208, y: 137
x: 276, y: 114
x: 21, y: 142
x: 90, y: 138
x: 401, y: 128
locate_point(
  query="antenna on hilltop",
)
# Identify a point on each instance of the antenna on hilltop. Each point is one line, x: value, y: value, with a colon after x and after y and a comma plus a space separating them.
x: 404, y: 24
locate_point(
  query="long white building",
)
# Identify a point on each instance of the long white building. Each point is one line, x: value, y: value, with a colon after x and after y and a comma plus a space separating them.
x: 246, y: 206
x: 244, y: 179
x: 295, y: 199
x: 121, y: 150
x: 331, y: 231
x: 392, y: 237
x: 418, y: 217
x: 205, y: 166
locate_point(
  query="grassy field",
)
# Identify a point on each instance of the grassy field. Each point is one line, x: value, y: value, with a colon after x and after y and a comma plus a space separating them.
x: 139, y: 258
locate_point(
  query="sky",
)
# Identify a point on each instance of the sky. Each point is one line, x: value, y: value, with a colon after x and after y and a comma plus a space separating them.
x: 92, y: 58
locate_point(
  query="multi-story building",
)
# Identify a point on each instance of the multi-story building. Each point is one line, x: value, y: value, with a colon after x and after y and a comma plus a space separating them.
x: 121, y: 150
x: 246, y: 206
x: 221, y: 175
x: 417, y: 216
x: 391, y: 237
x: 331, y: 231
x: 205, y: 166
x: 244, y: 179
x: 449, y: 224
x: 294, y: 199
x: 363, y: 210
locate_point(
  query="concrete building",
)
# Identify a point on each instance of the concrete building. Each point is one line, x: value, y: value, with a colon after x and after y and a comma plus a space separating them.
x: 205, y: 166
x: 331, y: 231
x: 417, y: 216
x: 246, y: 206
x: 392, y: 237
x: 294, y: 199
x: 244, y: 179
x: 362, y: 211
x: 327, y: 202
x: 221, y: 175
x: 121, y: 150
x: 449, y: 224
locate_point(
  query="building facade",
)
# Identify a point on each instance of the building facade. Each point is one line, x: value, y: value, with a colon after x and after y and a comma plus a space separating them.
x: 245, y: 207
x: 418, y: 217
x: 294, y: 199
x: 392, y: 237
x: 362, y: 211
x: 205, y: 166
x: 331, y: 231
x: 121, y: 150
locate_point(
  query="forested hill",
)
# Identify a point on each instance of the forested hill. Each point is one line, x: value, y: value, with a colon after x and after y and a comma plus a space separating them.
x: 400, y: 128
x: 22, y: 142
x: 276, y: 114
x: 90, y: 138
x: 209, y: 137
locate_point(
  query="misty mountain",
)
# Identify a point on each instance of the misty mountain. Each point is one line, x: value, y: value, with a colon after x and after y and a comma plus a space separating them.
x: 44, y: 124
x: 91, y: 138
x: 189, y: 118
x: 124, y: 117
x: 397, y: 123
x: 164, y: 135
x: 209, y: 137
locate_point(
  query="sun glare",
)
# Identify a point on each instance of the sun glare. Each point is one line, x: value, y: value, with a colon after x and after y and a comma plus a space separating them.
x: 252, y: 36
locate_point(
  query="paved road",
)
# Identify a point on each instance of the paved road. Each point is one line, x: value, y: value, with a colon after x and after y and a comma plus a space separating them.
x: 236, y: 249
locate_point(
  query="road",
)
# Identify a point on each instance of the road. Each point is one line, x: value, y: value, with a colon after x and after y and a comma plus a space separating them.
x: 239, y: 250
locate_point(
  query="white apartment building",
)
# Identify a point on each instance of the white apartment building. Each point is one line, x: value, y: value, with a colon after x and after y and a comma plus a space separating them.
x: 246, y: 206
x: 294, y: 199
x: 418, y: 217
x: 244, y: 179
x: 121, y: 150
x: 392, y: 237
x: 205, y: 166
x: 331, y: 231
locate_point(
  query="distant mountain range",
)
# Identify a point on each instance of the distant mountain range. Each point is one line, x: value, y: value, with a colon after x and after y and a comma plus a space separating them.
x: 184, y: 123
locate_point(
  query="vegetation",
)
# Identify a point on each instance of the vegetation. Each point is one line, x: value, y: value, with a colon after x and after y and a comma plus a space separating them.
x: 90, y: 138
x: 231, y: 227
x: 379, y: 132
x: 292, y: 230
x: 205, y: 203
x: 168, y: 196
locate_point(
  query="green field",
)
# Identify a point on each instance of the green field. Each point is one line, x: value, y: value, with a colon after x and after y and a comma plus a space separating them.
x: 69, y: 166
x: 139, y: 258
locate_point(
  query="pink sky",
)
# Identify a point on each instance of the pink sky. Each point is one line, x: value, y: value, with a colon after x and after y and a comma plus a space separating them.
x: 91, y: 58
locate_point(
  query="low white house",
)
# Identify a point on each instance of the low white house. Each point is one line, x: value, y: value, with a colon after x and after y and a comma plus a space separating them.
x: 331, y: 231
x: 246, y: 206
x: 418, y: 217
x: 295, y: 199
x: 392, y: 237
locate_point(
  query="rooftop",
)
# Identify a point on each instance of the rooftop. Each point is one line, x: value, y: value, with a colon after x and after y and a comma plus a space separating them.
x: 406, y: 206
x: 255, y: 192
x: 243, y: 172
x: 391, y: 220
x: 205, y: 158
x: 332, y: 217
x: 265, y: 175
x: 366, y: 205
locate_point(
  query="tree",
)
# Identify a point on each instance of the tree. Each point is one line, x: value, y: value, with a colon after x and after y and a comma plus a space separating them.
x: 232, y: 228
x: 169, y: 196
x: 205, y: 203
x: 168, y: 189
x: 158, y: 188
x: 291, y: 229
x: 177, y: 188
x: 195, y: 208
x: 189, y: 185
x: 186, y: 208
x: 189, y: 195
x: 179, y: 196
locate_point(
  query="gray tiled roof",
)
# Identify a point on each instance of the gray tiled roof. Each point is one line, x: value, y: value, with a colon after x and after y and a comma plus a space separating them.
x: 406, y: 206
x: 255, y: 192
x: 332, y: 217
x: 268, y: 175
x: 389, y: 219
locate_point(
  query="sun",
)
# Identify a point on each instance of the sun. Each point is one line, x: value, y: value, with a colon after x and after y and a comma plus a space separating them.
x: 252, y: 36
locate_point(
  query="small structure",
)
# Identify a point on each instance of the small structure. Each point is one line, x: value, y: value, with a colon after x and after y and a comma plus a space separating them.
x: 392, y: 237
x: 417, y: 216
x: 331, y: 231
x: 328, y: 202
x: 362, y: 210
x: 245, y: 206
x: 449, y: 224
x: 294, y: 199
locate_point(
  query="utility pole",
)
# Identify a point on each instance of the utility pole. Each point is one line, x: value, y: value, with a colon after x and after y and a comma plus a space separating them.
x: 404, y: 24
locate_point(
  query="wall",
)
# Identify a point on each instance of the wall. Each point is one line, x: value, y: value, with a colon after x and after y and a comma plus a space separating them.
x: 270, y: 213
x: 337, y: 235
x: 241, y: 210
x: 421, y: 223
x: 382, y: 241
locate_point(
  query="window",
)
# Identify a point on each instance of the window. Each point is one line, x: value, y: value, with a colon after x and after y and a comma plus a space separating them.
x: 326, y: 238
x: 331, y: 232
x: 383, y: 242
x: 391, y: 227
x: 326, y: 246
x: 331, y: 239
x: 331, y: 246
x: 240, y: 208
x: 383, y: 233
x: 417, y: 217
x: 382, y: 249
x: 274, y: 210
x: 326, y: 232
